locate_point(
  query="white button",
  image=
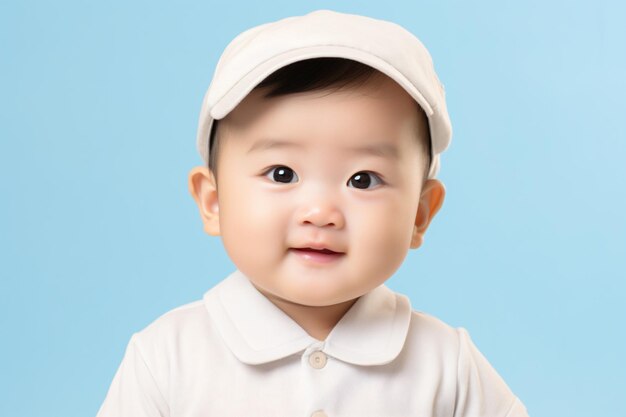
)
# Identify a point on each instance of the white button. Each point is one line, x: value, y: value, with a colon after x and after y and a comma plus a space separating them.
x: 317, y: 360
x: 319, y: 413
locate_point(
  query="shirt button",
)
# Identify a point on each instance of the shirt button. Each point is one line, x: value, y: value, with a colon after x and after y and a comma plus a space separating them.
x: 319, y: 413
x: 318, y: 361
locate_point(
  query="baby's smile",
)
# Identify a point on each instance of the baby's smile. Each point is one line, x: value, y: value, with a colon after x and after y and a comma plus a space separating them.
x: 320, y: 256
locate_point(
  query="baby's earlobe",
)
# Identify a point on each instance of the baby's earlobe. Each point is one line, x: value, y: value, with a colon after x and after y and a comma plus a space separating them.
x: 417, y: 239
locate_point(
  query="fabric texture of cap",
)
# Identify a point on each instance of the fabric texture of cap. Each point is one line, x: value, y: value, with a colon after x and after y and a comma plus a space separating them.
x: 386, y: 46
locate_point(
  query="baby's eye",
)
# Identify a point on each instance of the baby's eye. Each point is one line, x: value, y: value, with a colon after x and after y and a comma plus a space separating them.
x: 281, y: 173
x: 363, y: 179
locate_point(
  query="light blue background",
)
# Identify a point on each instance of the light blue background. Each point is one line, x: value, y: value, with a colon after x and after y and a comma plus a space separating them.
x: 99, y: 235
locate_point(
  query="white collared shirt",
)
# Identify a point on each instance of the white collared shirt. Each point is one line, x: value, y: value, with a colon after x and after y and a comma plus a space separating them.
x: 235, y: 353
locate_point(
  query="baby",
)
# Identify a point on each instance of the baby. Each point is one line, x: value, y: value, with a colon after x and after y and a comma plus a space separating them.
x: 321, y: 137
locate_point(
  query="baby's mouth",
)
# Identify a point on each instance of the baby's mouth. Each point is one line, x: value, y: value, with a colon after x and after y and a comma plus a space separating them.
x: 328, y: 251
x: 317, y: 255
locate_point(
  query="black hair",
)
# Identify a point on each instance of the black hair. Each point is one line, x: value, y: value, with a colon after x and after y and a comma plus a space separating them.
x: 325, y: 73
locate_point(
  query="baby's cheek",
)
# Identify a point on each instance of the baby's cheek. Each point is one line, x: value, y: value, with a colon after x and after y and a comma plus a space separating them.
x: 381, y: 241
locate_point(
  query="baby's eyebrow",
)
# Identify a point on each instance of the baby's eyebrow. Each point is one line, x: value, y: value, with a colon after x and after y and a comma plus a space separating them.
x: 383, y: 150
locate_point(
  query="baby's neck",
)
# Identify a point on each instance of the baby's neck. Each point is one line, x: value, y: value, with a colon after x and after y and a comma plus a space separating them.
x: 318, y: 322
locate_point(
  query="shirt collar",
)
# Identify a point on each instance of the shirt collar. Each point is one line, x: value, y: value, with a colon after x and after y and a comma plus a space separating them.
x: 372, y: 332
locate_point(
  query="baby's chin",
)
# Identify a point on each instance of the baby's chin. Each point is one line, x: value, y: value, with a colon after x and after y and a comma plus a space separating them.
x: 319, y: 300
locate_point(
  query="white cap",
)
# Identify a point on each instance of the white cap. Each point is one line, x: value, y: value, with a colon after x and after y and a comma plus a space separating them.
x: 386, y: 46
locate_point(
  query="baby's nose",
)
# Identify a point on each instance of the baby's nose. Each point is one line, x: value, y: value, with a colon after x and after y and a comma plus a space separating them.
x: 321, y: 214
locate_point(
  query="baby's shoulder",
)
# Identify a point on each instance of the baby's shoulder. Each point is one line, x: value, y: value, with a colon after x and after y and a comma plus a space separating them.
x: 182, y: 314
x: 426, y: 329
x: 184, y: 321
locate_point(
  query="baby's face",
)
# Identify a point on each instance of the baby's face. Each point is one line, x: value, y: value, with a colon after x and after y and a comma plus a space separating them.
x: 334, y: 170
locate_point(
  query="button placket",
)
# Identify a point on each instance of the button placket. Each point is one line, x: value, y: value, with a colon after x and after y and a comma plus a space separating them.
x: 313, y: 360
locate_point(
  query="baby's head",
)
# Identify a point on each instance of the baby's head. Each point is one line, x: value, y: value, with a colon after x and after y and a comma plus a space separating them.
x: 318, y: 181
x: 325, y: 75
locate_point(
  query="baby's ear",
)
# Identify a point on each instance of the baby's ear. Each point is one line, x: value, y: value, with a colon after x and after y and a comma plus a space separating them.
x: 431, y: 200
x: 203, y: 189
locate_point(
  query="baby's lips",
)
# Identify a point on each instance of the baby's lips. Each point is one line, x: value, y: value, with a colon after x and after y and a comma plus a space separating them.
x: 328, y: 251
x: 319, y: 247
x: 314, y: 249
